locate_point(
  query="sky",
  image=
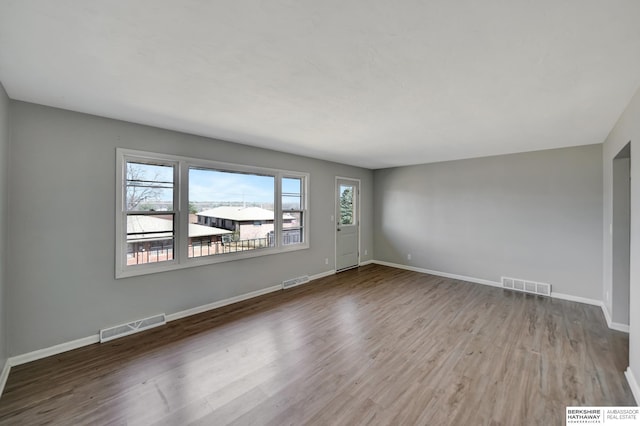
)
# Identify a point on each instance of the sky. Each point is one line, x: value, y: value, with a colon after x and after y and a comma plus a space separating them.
x: 213, y: 185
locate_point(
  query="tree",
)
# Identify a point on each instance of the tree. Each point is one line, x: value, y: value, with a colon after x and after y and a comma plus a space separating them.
x: 346, y: 207
x: 139, y: 188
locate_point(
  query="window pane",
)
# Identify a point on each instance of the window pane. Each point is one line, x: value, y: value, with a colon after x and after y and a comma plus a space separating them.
x: 229, y: 212
x: 292, y: 194
x: 346, y: 205
x: 149, y: 187
x: 291, y: 203
x: 150, y: 239
x: 292, y: 206
x: 291, y: 186
x: 292, y: 228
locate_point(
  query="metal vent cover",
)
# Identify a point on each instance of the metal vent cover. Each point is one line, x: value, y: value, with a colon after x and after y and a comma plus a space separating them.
x: 526, y: 286
x: 122, y: 330
x: 295, y: 281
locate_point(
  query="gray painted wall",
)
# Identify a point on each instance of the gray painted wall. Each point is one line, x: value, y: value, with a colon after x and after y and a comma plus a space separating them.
x: 4, y: 151
x: 620, y: 245
x: 61, y: 211
x: 626, y: 130
x: 535, y: 216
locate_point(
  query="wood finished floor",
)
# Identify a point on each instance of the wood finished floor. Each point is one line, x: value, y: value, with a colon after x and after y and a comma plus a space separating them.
x: 375, y: 345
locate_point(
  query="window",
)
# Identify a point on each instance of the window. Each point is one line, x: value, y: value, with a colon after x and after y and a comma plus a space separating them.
x: 240, y: 201
x: 149, y: 211
x: 175, y: 212
x: 293, y: 210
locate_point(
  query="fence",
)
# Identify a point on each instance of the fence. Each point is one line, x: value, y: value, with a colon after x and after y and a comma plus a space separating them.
x: 197, y: 249
x: 144, y: 253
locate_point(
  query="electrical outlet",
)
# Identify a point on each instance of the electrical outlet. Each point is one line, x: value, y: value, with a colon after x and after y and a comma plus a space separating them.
x: 326, y: 260
x: 331, y: 219
x: 366, y: 252
x: 606, y: 295
x: 409, y: 256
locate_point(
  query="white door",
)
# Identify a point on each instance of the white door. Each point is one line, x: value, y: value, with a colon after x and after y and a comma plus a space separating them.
x: 347, y: 223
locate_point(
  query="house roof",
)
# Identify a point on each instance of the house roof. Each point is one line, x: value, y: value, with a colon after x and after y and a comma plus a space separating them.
x: 156, y: 228
x: 196, y: 230
x: 241, y: 214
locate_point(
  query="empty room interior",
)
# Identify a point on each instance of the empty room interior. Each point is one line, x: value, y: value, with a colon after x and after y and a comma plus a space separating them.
x: 318, y: 212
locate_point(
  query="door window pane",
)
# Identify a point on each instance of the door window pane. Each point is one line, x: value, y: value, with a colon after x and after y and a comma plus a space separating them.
x: 347, y: 209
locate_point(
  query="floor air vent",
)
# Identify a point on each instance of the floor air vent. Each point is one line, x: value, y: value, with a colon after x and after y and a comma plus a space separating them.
x: 526, y: 286
x: 122, y: 330
x: 295, y: 281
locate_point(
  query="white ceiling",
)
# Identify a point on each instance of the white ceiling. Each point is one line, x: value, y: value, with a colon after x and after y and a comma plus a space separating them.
x: 364, y: 82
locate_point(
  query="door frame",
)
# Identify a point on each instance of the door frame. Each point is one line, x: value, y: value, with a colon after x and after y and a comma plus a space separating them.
x: 620, y: 287
x: 335, y: 218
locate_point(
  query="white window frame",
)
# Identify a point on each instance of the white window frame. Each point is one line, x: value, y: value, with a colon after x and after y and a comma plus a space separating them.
x: 302, y: 210
x: 181, y: 208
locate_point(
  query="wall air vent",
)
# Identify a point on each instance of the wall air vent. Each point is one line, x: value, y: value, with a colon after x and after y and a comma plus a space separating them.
x: 122, y: 330
x: 295, y: 281
x: 526, y: 286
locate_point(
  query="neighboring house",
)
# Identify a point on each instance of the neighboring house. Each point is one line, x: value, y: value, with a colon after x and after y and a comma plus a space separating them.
x: 247, y: 223
x: 153, y: 235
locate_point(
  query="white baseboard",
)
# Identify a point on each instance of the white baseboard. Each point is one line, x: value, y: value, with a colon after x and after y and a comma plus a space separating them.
x: 4, y: 375
x: 607, y: 315
x: 438, y: 273
x: 221, y: 303
x: 578, y: 299
x: 236, y: 299
x: 633, y: 384
x: 322, y: 275
x: 53, y: 350
x: 613, y: 325
x: 619, y: 327
x: 89, y: 340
